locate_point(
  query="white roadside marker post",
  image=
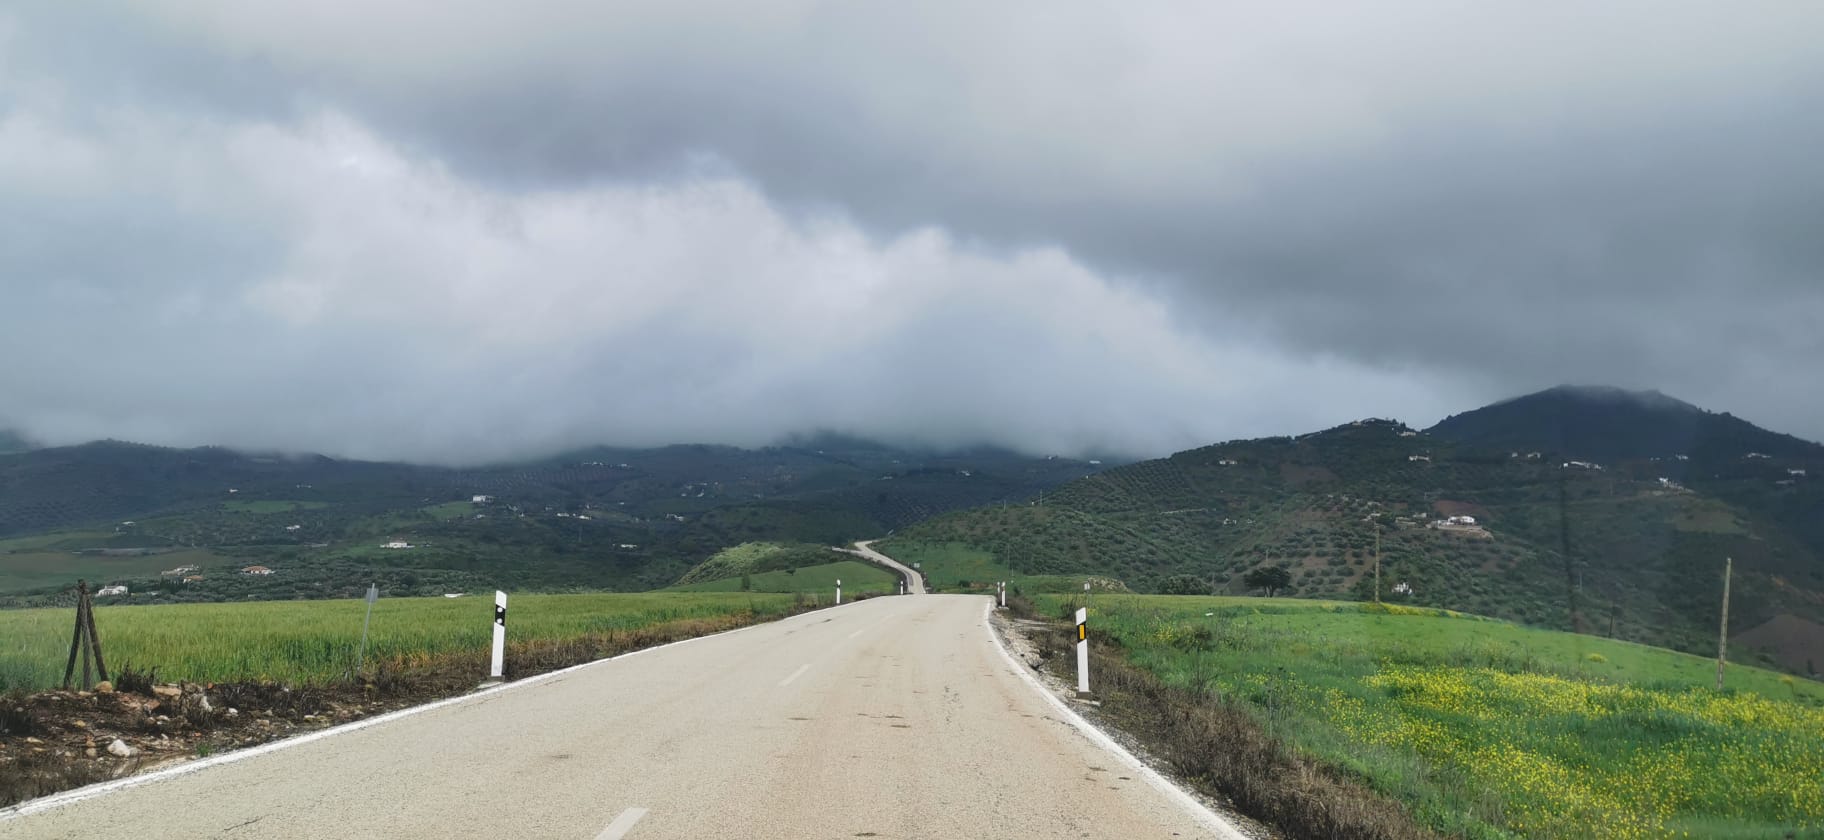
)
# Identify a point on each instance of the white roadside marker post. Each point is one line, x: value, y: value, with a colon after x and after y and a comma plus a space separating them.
x: 373, y: 594
x: 500, y: 636
x: 839, y: 592
x: 1002, y: 586
x: 1082, y: 652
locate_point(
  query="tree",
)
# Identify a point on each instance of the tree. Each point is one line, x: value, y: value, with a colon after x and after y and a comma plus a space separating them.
x: 1270, y: 578
x: 1185, y: 585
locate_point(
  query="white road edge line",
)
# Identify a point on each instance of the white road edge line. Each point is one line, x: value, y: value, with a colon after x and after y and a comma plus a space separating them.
x: 795, y: 675
x: 1202, y: 812
x: 622, y: 824
x: 70, y: 797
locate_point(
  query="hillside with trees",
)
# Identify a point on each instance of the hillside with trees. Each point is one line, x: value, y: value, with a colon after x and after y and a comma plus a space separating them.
x: 599, y: 518
x: 1629, y: 547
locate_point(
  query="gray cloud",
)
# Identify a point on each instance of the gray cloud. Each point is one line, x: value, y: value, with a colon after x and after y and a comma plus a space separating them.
x: 444, y: 232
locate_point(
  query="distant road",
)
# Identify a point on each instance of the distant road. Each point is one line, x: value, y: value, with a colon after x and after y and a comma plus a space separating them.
x: 892, y: 717
x: 915, y: 582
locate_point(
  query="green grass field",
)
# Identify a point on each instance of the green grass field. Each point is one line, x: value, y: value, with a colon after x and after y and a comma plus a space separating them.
x: 1491, y: 730
x: 450, y: 510
x: 947, y: 567
x: 31, y: 570
x: 57, y: 540
x: 954, y: 567
x: 856, y: 576
x: 316, y: 641
x: 270, y: 506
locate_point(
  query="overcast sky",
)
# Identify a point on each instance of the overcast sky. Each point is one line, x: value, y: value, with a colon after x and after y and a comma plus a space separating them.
x: 456, y: 231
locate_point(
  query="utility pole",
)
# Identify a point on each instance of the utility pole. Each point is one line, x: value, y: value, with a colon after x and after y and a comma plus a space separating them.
x: 1722, y: 635
x: 1377, y: 562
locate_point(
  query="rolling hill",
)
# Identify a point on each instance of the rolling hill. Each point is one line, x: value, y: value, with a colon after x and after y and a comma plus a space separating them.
x: 1610, y: 424
x: 1636, y: 545
x: 598, y: 518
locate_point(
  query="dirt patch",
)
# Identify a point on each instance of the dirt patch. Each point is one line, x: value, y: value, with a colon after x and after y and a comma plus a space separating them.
x: 1447, y: 507
x: 53, y: 741
x: 1794, y: 642
x: 1024, y: 638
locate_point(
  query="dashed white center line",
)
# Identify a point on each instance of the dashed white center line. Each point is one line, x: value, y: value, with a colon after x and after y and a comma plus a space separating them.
x: 622, y: 824
x: 861, y: 631
x: 795, y: 675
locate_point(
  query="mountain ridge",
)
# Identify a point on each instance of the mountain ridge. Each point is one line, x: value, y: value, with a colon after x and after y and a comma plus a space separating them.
x: 1554, y: 536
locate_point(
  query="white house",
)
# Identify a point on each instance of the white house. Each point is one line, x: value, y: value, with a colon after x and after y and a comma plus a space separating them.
x: 293, y: 527
x: 1462, y: 520
x: 397, y: 544
x: 1426, y: 458
x: 1795, y: 472
x: 1760, y: 455
x: 1402, y: 588
x: 256, y: 570
x: 116, y: 591
x: 480, y: 499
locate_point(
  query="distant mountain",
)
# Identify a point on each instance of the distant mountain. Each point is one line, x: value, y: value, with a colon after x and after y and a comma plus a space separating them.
x: 604, y: 517
x: 1636, y: 543
x: 1610, y: 424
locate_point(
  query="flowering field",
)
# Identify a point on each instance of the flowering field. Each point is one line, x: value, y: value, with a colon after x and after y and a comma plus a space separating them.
x: 316, y: 641
x: 1490, y: 730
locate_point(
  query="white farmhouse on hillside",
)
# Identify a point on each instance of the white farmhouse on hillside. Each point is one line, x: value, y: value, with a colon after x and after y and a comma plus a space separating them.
x: 116, y: 591
x: 397, y: 544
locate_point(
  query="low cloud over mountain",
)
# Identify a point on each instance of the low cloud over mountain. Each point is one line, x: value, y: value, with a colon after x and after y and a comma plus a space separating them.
x: 441, y: 232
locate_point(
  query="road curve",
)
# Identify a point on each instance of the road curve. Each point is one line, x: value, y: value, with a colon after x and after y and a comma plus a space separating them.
x: 892, y: 718
x: 915, y: 582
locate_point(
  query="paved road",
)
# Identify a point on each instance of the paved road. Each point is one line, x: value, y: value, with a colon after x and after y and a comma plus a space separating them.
x: 890, y: 718
x: 915, y: 582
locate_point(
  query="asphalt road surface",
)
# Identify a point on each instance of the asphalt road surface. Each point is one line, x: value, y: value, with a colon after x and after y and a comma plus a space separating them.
x: 890, y: 718
x: 915, y: 582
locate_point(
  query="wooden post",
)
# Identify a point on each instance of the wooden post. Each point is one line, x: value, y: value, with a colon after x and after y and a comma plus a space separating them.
x: 88, y: 614
x: 1722, y: 635
x: 84, y: 642
x: 82, y: 597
